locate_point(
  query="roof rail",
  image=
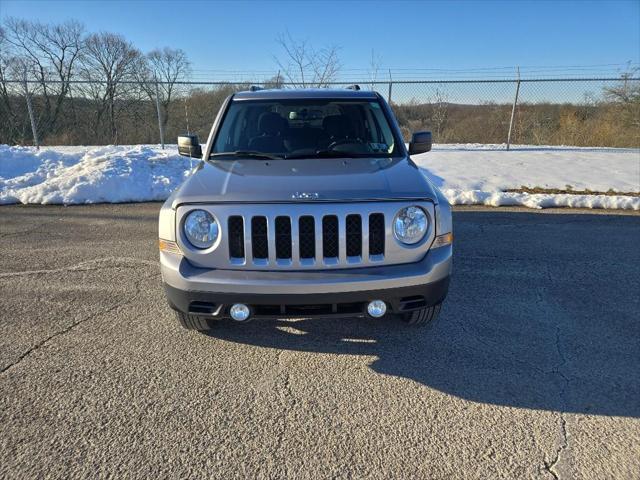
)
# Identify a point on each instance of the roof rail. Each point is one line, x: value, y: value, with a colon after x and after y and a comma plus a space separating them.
x: 355, y: 87
x: 255, y: 88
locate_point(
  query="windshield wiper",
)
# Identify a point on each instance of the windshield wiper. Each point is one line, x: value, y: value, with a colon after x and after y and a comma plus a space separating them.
x: 246, y: 153
x: 324, y: 154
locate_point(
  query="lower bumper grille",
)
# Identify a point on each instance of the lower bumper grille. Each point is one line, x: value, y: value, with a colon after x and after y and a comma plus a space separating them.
x: 309, y: 310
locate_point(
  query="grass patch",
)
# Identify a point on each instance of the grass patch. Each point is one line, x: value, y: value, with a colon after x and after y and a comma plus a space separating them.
x: 570, y: 191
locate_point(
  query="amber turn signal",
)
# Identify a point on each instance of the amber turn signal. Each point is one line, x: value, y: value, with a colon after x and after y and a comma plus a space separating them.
x: 443, y: 240
x: 169, y: 247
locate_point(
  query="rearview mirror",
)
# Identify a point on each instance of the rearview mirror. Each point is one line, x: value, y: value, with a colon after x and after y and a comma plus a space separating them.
x: 189, y: 146
x: 420, y: 143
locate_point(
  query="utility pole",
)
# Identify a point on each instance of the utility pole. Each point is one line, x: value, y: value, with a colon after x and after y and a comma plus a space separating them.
x: 34, y: 129
x: 390, y: 84
x: 160, y: 127
x: 513, y: 110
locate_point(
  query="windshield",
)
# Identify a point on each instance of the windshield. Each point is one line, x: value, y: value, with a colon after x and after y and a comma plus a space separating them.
x: 309, y: 128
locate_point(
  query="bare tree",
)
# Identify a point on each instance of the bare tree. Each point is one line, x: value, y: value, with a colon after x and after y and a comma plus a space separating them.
x: 626, y: 96
x: 304, y: 66
x: 625, y: 91
x: 439, y: 113
x: 49, y: 52
x: 273, y: 82
x: 8, y: 127
x: 164, y: 67
x: 108, y: 63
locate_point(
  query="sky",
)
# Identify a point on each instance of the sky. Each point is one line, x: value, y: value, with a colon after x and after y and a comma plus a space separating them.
x: 443, y: 36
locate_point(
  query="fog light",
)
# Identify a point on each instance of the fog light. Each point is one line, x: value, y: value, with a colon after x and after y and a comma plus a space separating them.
x: 240, y: 312
x: 377, y: 308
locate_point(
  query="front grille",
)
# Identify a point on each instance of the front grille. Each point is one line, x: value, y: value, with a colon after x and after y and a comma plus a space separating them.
x: 306, y: 240
x: 304, y: 236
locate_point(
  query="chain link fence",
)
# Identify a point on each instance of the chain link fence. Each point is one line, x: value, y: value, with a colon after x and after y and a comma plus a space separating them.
x: 603, y: 112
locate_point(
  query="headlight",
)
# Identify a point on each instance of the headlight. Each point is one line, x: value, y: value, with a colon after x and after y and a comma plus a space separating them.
x: 201, y: 229
x: 410, y: 225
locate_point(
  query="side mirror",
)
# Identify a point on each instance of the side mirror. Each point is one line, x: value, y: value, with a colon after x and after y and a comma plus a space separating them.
x: 189, y: 146
x: 420, y: 143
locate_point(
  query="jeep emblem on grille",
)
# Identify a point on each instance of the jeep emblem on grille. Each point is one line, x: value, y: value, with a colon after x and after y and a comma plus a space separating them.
x: 305, y: 196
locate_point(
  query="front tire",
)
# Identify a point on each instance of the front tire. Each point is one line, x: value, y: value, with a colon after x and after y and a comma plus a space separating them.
x: 192, y: 322
x: 423, y: 317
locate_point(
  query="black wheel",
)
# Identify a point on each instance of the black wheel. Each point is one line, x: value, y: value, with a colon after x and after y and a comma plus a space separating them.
x: 192, y: 322
x: 424, y: 316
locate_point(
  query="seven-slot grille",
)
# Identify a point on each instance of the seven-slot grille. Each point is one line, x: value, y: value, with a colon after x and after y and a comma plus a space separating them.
x: 305, y: 236
x: 314, y: 238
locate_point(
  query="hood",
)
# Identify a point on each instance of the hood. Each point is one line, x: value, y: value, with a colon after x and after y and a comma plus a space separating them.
x: 326, y: 179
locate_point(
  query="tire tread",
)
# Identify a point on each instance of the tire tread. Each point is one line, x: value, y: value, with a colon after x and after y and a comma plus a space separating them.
x: 424, y: 316
x: 192, y: 322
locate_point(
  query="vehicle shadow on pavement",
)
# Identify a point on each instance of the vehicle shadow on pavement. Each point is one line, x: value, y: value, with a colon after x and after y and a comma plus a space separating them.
x: 541, y: 314
x: 507, y: 370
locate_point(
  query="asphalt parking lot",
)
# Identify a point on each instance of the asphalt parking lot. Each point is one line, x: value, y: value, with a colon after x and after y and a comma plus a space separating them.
x: 532, y: 372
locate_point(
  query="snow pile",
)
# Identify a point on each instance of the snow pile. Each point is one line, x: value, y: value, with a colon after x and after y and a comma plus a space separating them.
x: 89, y: 174
x: 540, y: 200
x: 467, y: 174
x: 480, y: 175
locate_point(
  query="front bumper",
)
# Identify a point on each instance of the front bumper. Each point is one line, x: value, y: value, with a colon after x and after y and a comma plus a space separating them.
x: 305, y: 293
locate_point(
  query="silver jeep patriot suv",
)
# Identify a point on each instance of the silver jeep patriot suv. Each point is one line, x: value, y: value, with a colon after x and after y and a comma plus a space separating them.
x: 305, y: 203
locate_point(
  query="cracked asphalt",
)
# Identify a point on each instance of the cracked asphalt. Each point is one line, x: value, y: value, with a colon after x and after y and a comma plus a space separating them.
x: 532, y: 372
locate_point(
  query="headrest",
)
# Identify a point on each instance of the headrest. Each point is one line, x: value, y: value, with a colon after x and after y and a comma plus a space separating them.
x: 270, y: 123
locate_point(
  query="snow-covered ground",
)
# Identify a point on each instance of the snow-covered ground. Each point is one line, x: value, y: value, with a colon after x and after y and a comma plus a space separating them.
x: 470, y: 174
x: 71, y: 175
x: 467, y: 174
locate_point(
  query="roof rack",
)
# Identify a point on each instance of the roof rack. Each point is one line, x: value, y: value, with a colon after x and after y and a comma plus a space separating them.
x: 255, y: 88
x: 355, y: 87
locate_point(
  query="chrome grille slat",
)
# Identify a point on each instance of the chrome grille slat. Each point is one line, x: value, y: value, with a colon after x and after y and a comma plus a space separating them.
x: 342, y: 239
x: 317, y: 219
x: 248, y: 247
x: 295, y: 240
x: 365, y: 236
x: 271, y: 236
